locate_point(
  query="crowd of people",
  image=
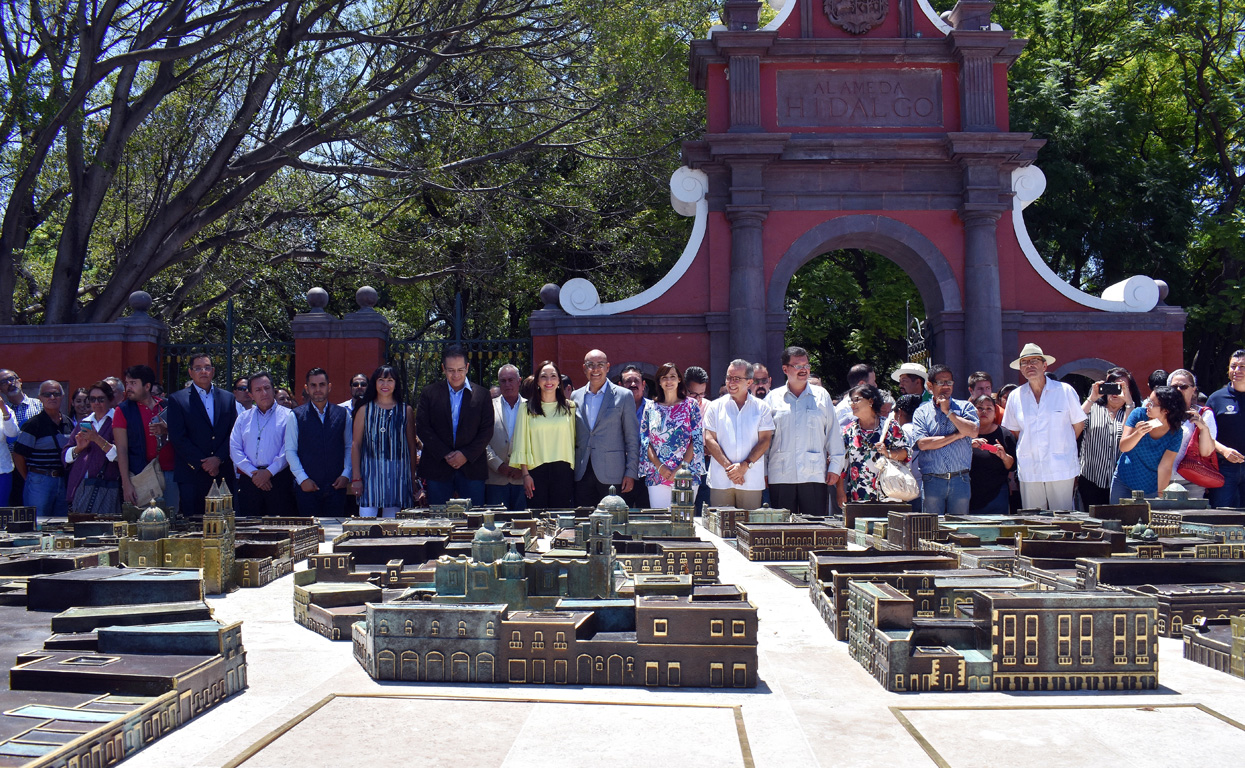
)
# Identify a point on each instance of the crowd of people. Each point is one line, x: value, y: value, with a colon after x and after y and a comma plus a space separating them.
x: 540, y: 442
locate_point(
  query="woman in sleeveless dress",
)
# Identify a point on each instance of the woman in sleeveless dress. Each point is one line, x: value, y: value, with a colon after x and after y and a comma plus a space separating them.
x: 382, y: 454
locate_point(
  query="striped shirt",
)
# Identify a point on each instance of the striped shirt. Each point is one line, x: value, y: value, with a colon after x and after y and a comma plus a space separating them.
x: 1100, y: 444
x: 42, y: 441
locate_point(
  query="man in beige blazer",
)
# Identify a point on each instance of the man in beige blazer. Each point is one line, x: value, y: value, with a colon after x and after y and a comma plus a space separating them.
x: 505, y: 483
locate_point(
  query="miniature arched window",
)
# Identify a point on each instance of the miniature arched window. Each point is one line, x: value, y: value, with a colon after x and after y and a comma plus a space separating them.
x: 436, y: 628
x: 488, y: 629
x: 384, y: 627
x: 410, y: 627
x: 462, y: 629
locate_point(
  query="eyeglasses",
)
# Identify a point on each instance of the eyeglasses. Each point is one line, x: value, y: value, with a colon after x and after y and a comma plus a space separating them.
x: 944, y: 383
x: 736, y: 379
x: 596, y: 366
x: 8, y: 380
x: 1182, y: 387
x: 800, y: 367
x: 241, y: 388
x: 96, y: 399
x: 859, y: 400
x: 51, y: 394
x: 203, y: 369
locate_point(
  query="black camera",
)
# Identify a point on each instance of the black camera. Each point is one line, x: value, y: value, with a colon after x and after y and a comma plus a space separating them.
x: 1109, y: 388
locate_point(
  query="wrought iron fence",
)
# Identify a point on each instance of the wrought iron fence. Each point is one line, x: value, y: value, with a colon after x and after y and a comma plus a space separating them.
x: 420, y: 361
x: 231, y: 360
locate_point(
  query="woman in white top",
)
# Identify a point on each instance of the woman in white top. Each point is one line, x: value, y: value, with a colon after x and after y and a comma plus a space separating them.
x: 1201, y: 420
x: 1046, y: 418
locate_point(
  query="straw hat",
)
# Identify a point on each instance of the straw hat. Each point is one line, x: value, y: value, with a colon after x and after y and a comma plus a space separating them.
x: 915, y: 369
x: 1031, y: 350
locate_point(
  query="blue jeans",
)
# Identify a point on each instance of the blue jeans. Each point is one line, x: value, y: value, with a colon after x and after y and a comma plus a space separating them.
x: 509, y: 496
x: 942, y: 496
x: 46, y: 494
x: 997, y: 506
x: 1119, y: 490
x: 457, y: 487
x: 1233, y: 491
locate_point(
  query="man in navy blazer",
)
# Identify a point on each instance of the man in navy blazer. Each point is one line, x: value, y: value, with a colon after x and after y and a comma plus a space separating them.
x: 200, y: 418
x: 454, y: 421
x: 607, y: 434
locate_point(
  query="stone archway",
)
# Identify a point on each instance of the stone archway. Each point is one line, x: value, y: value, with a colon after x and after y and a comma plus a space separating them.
x: 919, y: 258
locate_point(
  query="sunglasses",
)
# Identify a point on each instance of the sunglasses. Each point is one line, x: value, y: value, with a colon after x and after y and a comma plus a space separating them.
x: 51, y: 394
x: 96, y: 399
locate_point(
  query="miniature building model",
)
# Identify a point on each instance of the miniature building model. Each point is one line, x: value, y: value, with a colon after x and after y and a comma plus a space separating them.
x: 787, y: 541
x: 1036, y: 641
x: 213, y: 552
x: 657, y: 640
x: 1217, y: 643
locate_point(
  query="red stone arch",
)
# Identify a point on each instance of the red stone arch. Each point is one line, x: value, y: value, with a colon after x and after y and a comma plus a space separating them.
x: 914, y: 253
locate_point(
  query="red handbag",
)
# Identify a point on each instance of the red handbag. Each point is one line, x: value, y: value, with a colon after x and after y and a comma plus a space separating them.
x: 1198, y: 469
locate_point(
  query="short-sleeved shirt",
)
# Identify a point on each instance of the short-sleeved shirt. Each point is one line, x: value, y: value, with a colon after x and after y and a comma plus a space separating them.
x: 1139, y: 468
x: 166, y: 451
x: 737, y: 430
x: 1046, y: 446
x: 1229, y: 408
x: 930, y: 421
x: 41, y: 441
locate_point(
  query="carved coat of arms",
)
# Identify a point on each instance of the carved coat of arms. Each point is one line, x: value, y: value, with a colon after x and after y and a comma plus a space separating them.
x: 856, y: 16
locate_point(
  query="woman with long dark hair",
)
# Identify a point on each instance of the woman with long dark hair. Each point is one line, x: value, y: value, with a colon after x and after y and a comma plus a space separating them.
x: 1107, y: 407
x: 544, y: 442
x: 382, y: 455
x: 670, y: 434
x: 1149, y: 444
x: 867, y: 438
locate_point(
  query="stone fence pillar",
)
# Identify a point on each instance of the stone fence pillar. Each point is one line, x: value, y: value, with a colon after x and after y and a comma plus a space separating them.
x: 355, y: 343
x: 78, y: 354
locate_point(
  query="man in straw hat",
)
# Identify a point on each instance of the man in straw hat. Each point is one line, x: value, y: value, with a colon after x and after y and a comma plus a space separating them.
x: 911, y: 378
x: 1046, y: 418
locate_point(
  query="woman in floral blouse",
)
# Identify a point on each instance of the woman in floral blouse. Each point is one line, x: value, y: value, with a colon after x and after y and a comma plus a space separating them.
x: 863, y: 440
x: 670, y: 434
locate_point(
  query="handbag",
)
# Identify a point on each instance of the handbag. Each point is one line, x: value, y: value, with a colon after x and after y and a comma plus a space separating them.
x: 895, y: 479
x: 1198, y: 469
x: 148, y: 484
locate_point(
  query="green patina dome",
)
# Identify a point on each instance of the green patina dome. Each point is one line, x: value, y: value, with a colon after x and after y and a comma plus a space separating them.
x: 612, y: 503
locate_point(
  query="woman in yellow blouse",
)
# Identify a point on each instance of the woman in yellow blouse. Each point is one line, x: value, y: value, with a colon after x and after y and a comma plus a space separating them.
x: 544, y: 443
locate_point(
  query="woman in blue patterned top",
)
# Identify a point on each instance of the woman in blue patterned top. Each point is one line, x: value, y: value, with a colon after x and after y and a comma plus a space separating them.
x: 1148, y: 445
x: 382, y: 455
x: 671, y: 433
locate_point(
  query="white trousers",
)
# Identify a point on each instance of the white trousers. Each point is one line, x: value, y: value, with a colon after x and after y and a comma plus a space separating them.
x: 659, y: 496
x: 373, y: 512
x: 1055, y: 495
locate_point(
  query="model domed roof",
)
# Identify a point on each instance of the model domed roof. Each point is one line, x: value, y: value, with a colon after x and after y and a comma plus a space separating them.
x: 488, y: 534
x: 153, y: 514
x: 612, y: 503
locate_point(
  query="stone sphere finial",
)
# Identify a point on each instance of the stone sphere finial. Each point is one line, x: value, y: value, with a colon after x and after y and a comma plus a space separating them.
x: 318, y: 299
x: 366, y: 297
x: 1164, y: 289
x: 549, y: 294
x: 140, y: 302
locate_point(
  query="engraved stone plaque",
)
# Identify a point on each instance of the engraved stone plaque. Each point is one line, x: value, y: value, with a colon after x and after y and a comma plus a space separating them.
x: 878, y: 98
x: 856, y: 16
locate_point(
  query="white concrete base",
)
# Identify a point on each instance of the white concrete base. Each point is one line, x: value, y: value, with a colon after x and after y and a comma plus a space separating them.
x: 814, y: 707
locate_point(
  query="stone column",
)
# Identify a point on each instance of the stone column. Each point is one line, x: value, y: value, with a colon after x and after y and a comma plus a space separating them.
x: 354, y: 344
x: 747, y: 307
x: 983, y: 303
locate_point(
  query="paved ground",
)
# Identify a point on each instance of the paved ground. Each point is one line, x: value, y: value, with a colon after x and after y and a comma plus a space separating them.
x: 310, y: 704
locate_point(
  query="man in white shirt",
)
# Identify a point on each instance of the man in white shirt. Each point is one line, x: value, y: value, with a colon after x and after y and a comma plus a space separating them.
x: 505, y: 483
x: 1047, y: 418
x: 806, y: 455
x: 738, y: 430
x: 257, y: 448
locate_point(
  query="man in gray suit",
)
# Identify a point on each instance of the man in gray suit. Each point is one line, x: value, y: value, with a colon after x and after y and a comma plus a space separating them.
x: 505, y: 483
x: 607, y: 435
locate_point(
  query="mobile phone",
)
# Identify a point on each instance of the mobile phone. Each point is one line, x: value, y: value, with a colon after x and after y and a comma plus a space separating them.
x: 87, y: 426
x: 1109, y: 388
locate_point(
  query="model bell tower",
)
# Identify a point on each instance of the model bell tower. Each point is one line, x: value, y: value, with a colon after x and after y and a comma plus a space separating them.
x: 683, y: 497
